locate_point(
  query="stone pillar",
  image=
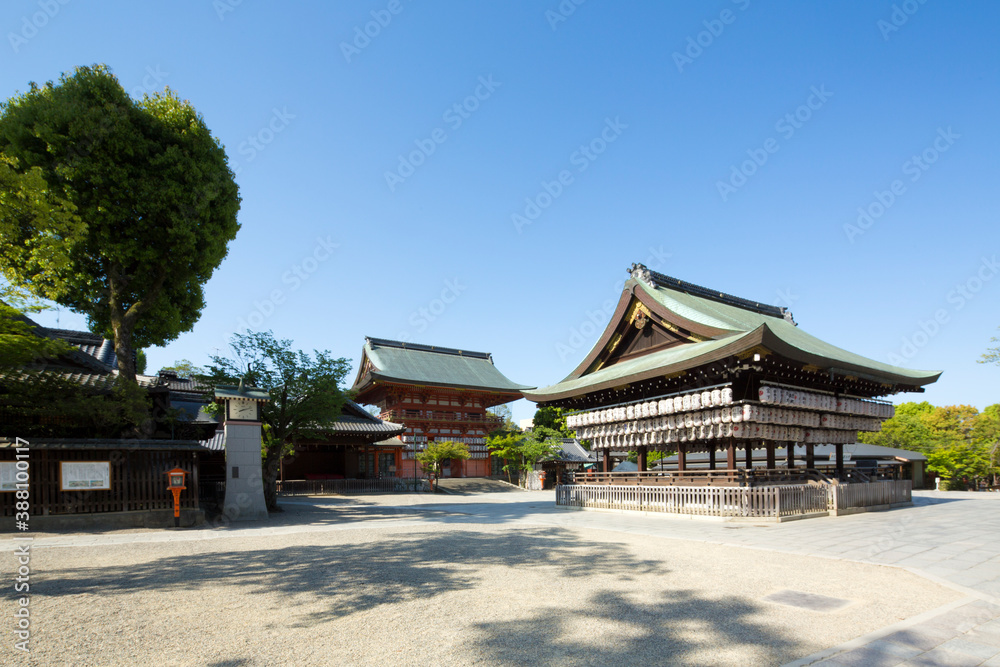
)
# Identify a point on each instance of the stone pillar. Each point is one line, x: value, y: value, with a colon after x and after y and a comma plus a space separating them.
x: 244, y: 474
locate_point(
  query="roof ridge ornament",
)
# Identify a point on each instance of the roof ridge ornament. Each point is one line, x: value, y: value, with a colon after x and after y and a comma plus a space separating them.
x: 787, y: 314
x: 641, y: 273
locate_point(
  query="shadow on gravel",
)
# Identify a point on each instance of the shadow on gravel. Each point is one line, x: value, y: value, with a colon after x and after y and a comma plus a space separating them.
x: 624, y: 632
x: 356, y: 577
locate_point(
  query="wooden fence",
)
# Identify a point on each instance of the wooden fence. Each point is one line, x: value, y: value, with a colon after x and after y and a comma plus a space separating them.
x: 763, y: 502
x: 890, y: 492
x: 320, y: 487
x: 138, y: 482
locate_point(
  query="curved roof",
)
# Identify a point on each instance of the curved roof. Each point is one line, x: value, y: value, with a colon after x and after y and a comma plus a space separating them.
x: 408, y: 363
x: 728, y: 326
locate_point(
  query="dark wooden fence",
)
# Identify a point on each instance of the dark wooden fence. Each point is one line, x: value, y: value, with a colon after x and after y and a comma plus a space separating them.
x: 138, y: 481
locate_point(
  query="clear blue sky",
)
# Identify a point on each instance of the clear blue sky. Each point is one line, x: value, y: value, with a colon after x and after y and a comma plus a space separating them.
x: 834, y: 99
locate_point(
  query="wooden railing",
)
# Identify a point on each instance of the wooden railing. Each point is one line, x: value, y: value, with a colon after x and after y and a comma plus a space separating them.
x: 739, y: 477
x: 761, y: 502
x: 891, y: 492
x: 319, y: 487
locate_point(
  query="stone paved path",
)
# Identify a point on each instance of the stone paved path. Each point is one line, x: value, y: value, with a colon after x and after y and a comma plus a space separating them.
x: 949, y: 538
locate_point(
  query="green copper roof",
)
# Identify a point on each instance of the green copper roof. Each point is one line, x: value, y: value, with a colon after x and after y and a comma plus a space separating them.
x: 744, y: 326
x: 408, y: 363
x: 250, y: 393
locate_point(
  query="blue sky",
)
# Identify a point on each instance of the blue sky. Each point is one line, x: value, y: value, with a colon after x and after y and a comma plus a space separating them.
x: 729, y: 144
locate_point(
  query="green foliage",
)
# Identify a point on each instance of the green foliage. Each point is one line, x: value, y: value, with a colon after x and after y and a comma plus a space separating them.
x: 541, y: 443
x: 992, y: 354
x: 19, y: 346
x: 507, y: 425
x: 432, y: 458
x: 554, y: 419
x: 960, y: 465
x: 522, y: 452
x: 115, y: 208
x: 959, y: 441
x: 184, y: 369
x: 304, y: 389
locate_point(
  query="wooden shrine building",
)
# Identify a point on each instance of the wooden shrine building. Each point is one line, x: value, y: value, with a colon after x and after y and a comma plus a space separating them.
x: 681, y: 368
x: 357, y: 445
x: 437, y: 393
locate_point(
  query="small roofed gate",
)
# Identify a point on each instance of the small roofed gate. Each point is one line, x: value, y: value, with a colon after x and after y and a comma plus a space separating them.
x: 682, y: 368
x: 136, y: 478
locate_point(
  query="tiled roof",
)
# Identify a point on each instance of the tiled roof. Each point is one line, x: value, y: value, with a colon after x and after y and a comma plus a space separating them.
x: 408, y: 363
x: 102, y: 443
x: 741, y: 326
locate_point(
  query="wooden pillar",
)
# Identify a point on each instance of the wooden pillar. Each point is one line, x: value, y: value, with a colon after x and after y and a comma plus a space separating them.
x: 749, y: 456
x: 607, y: 460
x: 810, y: 456
x: 790, y: 448
x: 770, y: 455
x: 711, y: 458
x: 681, y: 457
x: 641, y: 458
x: 840, y: 461
x: 731, y: 455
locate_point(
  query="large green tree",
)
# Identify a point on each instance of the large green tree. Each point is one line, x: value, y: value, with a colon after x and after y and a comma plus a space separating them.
x: 116, y: 208
x: 304, y: 390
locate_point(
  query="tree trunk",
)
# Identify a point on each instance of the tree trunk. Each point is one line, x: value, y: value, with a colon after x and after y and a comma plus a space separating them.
x: 122, y: 330
x: 272, y: 467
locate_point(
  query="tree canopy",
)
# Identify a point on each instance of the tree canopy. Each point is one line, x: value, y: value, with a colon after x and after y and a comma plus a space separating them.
x: 116, y: 208
x: 432, y: 459
x: 959, y: 441
x: 523, y: 451
x: 304, y: 389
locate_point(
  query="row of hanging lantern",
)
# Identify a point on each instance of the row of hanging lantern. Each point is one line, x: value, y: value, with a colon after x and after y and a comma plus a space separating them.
x: 742, y: 412
x: 826, y: 402
x: 709, y: 432
x: 664, y: 406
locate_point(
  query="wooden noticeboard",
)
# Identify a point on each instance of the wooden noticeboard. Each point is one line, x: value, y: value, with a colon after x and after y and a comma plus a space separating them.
x: 8, y: 476
x: 84, y: 475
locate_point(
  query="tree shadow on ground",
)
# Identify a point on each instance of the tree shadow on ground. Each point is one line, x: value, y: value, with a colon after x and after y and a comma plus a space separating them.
x: 349, y: 578
x: 680, y: 628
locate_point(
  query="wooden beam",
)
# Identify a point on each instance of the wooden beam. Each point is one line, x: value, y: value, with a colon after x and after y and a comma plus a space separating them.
x: 840, y: 460
x: 607, y: 460
x: 731, y: 455
x: 642, y: 459
x: 810, y: 456
x: 770, y: 455
x: 790, y: 459
x: 681, y: 457
x: 711, y: 458
x: 749, y: 455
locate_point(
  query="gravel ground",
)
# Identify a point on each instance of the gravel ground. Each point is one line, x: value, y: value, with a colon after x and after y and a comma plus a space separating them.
x: 447, y: 594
